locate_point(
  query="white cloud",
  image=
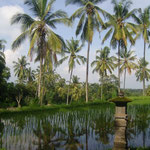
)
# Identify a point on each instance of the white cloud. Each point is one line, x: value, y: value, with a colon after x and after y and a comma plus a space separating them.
x: 10, y: 33
x: 10, y: 57
x: 7, y: 31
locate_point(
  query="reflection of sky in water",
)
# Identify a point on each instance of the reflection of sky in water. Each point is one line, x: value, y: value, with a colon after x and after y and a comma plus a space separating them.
x: 23, y: 132
x: 137, y: 140
x: 96, y: 123
x: 139, y: 127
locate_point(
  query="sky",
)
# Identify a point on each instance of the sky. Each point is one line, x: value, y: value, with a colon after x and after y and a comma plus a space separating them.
x: 10, y: 32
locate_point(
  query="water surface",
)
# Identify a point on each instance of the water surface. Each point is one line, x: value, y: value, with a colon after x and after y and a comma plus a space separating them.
x: 138, y: 131
x: 90, y: 128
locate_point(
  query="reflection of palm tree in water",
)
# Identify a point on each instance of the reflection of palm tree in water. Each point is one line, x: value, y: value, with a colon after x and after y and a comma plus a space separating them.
x: 140, y: 123
x: 103, y: 126
x: 72, y: 136
x: 1, y: 132
x: 47, y: 137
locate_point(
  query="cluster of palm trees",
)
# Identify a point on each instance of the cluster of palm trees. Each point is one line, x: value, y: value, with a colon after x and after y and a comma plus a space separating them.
x: 46, y: 44
x: 22, y: 72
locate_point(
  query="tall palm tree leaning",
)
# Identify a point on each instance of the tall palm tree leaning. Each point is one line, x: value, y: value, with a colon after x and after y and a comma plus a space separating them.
x: 72, y: 49
x: 103, y: 64
x: 39, y: 30
x: 120, y: 29
x: 127, y: 63
x: 90, y: 20
x: 143, y: 20
x: 20, y: 68
x: 142, y: 72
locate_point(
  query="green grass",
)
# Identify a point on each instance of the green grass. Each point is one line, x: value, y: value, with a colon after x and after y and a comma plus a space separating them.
x: 140, y: 100
x: 52, y: 107
x: 120, y: 99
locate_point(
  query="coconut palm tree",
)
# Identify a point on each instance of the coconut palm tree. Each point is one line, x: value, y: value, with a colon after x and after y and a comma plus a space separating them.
x: 2, y: 56
x: 90, y: 21
x: 120, y: 29
x: 40, y: 30
x: 143, y: 20
x: 127, y: 62
x: 142, y: 72
x: 2, y: 45
x: 76, y: 89
x: 30, y: 75
x: 72, y: 49
x: 20, y: 68
x: 103, y: 64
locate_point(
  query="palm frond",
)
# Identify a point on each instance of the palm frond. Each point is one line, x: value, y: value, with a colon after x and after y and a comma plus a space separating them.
x: 80, y: 24
x: 20, y: 40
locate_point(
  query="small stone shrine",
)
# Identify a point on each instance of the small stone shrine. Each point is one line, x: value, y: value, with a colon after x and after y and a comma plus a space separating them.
x: 120, y: 141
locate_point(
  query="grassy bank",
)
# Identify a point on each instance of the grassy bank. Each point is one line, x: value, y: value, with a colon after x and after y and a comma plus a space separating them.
x: 140, y: 100
x: 52, y: 107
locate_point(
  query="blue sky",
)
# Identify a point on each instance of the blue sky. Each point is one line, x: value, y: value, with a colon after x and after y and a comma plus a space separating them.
x: 9, y: 7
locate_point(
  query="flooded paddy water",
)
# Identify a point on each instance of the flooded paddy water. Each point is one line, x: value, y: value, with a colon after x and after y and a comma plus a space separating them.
x: 89, y: 128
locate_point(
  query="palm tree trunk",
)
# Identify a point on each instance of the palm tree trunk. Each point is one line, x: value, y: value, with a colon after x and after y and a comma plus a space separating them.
x: 144, y: 69
x: 69, y: 87
x: 143, y: 86
x: 118, y: 67
x: 87, y: 71
x: 125, y: 78
x: 40, y: 77
x: 43, y: 90
x: 102, y: 89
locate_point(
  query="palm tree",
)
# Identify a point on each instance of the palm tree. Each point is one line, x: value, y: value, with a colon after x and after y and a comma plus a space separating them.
x: 142, y: 72
x: 2, y: 45
x: 20, y: 68
x: 42, y: 37
x: 119, y: 29
x: 30, y: 75
x: 103, y: 64
x: 90, y: 21
x: 76, y: 89
x: 127, y: 62
x: 2, y: 55
x: 72, y: 49
x: 143, y: 20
